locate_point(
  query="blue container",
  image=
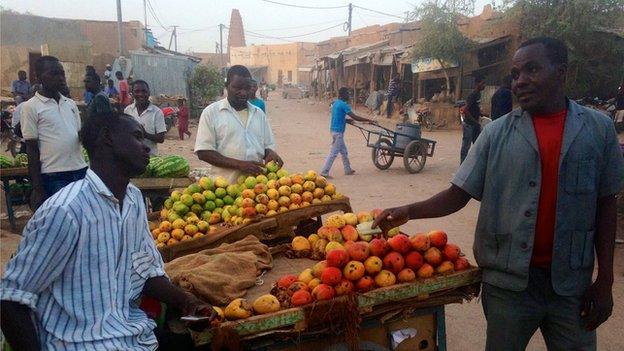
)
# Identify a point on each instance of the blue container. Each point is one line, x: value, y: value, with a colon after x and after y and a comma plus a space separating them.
x: 409, y: 132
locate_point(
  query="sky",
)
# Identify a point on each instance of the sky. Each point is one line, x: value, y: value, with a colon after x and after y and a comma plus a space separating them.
x: 198, y: 20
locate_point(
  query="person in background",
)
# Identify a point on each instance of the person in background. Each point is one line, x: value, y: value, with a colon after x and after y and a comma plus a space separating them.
x: 50, y: 123
x: 20, y: 88
x: 111, y: 91
x: 340, y: 109
x: 619, y: 105
x: 100, y: 104
x: 148, y: 115
x: 124, y: 90
x: 472, y: 113
x: 234, y: 136
x: 16, y: 115
x: 546, y: 175
x: 183, y: 119
x: 394, y: 89
x: 253, y: 99
x: 87, y: 96
x: 108, y: 72
x: 87, y: 257
x: 502, y: 100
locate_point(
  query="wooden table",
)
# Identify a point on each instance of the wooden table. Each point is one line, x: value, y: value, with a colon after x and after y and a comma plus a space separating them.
x: 148, y: 187
x: 7, y: 175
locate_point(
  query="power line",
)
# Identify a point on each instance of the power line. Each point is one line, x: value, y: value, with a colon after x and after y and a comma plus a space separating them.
x: 306, y: 7
x: 299, y: 35
x: 153, y: 12
x: 297, y: 27
x: 379, y: 12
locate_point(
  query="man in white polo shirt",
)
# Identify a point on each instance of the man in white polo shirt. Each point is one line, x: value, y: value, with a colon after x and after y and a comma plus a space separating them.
x: 234, y: 136
x: 50, y: 123
x: 148, y: 114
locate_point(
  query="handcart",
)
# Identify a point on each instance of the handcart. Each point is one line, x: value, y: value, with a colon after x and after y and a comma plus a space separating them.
x: 405, y: 141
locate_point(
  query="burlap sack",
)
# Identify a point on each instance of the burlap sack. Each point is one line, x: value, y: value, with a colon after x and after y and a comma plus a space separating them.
x: 221, y: 274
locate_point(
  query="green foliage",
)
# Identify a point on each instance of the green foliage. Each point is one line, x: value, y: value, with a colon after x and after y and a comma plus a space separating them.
x: 590, y: 29
x: 206, y: 83
x: 441, y: 38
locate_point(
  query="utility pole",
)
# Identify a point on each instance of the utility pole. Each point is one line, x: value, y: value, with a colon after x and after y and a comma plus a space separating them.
x: 221, y: 44
x: 145, y: 20
x: 174, y: 38
x: 350, y: 15
x: 122, y: 45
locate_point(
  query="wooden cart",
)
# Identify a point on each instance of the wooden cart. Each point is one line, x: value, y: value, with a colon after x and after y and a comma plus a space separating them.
x: 384, y: 312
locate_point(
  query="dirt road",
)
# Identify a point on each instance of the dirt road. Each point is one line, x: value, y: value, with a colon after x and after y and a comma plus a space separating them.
x: 302, y: 132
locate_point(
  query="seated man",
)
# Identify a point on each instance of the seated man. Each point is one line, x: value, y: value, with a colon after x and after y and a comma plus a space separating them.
x: 87, y: 256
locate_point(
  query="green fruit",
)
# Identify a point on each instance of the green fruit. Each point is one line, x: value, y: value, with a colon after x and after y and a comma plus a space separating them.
x: 194, y: 188
x: 175, y: 195
x: 226, y: 216
x: 21, y: 160
x: 169, y: 203
x: 6, y: 162
x: 240, y: 180
x: 187, y: 199
x: 210, y: 206
x: 272, y: 167
x: 261, y: 178
x: 272, y: 176
x: 228, y: 200
x: 218, y: 210
x: 180, y: 208
x: 199, y: 198
x: 206, y: 183
x: 206, y: 215
x: 250, y: 182
x: 220, y: 193
x: 221, y: 182
x: 197, y: 209
x: 282, y: 173
x: 209, y: 195
x: 233, y: 209
x: 238, y: 201
x: 172, y: 217
x: 219, y: 203
x: 233, y: 190
x: 172, y: 167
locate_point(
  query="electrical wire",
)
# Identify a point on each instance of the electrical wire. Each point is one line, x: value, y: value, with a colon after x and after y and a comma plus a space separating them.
x: 153, y: 12
x: 297, y: 27
x: 379, y: 12
x: 307, y: 7
x: 291, y: 36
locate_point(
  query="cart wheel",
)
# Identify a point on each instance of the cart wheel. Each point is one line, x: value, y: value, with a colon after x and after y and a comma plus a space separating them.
x: 382, y: 154
x: 415, y: 157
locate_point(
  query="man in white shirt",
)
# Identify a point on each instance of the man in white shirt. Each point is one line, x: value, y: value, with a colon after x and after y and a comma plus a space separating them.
x: 234, y: 136
x: 50, y: 123
x: 87, y: 257
x: 148, y: 114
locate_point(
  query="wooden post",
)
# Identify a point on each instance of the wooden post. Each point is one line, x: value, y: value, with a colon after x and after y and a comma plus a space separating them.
x: 355, y: 88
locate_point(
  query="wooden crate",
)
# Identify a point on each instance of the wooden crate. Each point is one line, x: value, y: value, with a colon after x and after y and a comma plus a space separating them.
x: 267, y: 229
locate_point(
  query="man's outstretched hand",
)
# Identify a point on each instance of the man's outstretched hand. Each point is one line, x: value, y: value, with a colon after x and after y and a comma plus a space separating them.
x: 271, y: 155
x: 391, y: 218
x: 198, y: 308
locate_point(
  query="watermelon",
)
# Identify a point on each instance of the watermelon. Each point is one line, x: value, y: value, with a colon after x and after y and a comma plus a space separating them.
x: 21, y: 160
x: 172, y: 167
x: 149, y: 169
x: 5, y: 162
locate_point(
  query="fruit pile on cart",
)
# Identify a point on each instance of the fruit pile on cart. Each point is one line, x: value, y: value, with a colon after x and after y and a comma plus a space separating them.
x: 329, y: 273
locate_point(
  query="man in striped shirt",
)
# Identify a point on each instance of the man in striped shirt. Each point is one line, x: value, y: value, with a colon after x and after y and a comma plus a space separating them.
x: 87, y: 256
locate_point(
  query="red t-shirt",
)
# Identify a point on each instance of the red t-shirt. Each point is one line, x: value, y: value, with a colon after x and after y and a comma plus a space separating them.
x: 549, y: 133
x: 124, y: 93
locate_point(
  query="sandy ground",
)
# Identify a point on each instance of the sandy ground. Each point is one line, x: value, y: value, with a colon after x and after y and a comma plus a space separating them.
x: 302, y: 133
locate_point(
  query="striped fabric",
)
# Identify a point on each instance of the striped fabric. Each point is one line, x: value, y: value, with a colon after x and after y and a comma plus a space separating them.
x: 81, y: 266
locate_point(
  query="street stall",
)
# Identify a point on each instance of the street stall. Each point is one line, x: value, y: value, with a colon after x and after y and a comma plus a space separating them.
x: 279, y: 282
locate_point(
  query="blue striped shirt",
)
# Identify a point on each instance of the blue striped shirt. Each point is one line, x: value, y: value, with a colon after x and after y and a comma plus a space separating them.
x: 82, y: 265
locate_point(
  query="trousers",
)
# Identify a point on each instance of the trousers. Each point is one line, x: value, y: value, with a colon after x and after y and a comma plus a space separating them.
x: 338, y: 146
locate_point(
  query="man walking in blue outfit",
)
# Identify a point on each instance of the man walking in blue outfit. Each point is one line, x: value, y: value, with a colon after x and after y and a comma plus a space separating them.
x: 339, y: 111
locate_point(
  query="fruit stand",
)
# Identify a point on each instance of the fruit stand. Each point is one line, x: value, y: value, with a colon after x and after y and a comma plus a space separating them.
x: 420, y: 304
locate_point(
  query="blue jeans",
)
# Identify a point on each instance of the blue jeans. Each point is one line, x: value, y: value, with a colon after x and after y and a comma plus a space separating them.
x: 338, y: 146
x: 53, y: 182
x: 471, y: 133
x: 514, y: 316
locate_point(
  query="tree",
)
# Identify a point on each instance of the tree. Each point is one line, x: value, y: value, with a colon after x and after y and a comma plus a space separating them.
x: 594, y: 33
x: 441, y: 39
x: 206, y: 83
